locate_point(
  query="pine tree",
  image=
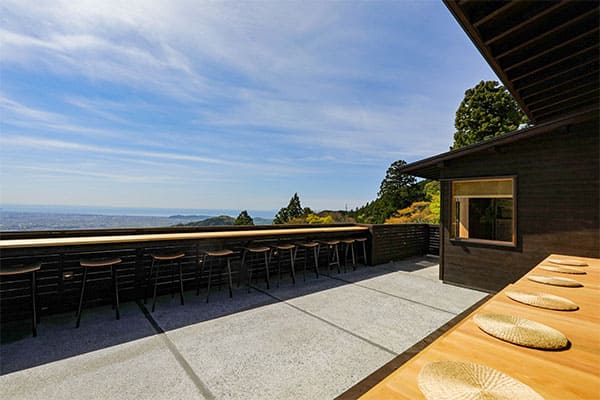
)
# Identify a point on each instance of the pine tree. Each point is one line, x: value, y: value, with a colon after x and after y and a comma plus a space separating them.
x: 244, y: 219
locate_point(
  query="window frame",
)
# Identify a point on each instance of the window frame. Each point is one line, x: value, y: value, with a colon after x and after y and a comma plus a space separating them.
x: 452, y: 216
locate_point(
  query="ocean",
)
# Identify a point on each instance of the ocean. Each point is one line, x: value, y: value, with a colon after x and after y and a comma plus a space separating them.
x: 17, y: 217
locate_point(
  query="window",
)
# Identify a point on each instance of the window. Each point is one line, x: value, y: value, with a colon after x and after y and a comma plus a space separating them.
x: 483, y: 210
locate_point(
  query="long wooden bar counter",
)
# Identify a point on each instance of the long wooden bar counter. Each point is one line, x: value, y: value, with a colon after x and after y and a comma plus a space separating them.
x: 99, y: 240
x: 573, y: 373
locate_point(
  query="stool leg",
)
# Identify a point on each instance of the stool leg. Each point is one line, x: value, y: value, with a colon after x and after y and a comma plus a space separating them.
x: 181, y: 282
x: 209, y: 278
x: 364, y: 246
x: 346, y: 256
x: 229, y: 274
x: 336, y: 254
x: 249, y: 269
x: 172, y: 278
x: 267, y: 270
x: 305, y: 259
x: 33, y: 302
x: 292, y: 264
x: 199, y: 268
x: 116, y: 285
x: 148, y: 282
x: 155, y: 284
x: 242, y: 265
x: 85, y: 270
x: 316, y: 253
x: 278, y: 267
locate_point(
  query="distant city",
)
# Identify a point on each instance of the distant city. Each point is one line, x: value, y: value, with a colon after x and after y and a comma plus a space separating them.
x: 35, y: 217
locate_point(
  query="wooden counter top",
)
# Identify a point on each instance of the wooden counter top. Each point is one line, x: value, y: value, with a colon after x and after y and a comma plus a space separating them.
x: 569, y: 374
x: 89, y: 240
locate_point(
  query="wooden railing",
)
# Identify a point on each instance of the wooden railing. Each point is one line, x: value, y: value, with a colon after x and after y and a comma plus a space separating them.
x: 60, y: 278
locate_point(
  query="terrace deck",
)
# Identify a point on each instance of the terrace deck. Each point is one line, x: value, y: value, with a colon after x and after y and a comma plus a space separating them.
x: 572, y: 373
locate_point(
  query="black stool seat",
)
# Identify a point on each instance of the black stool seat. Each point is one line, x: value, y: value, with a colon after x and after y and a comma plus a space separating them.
x: 88, y: 263
x: 167, y: 257
x: 19, y: 269
x: 26, y: 269
x: 99, y: 262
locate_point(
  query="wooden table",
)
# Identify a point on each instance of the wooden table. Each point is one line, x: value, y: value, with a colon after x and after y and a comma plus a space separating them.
x: 570, y: 374
x: 99, y: 240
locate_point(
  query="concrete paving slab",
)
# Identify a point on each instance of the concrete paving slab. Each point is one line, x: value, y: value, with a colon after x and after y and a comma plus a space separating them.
x: 416, y: 288
x: 388, y: 321
x: 59, y: 339
x: 275, y: 352
x: 312, y: 340
x: 140, y: 369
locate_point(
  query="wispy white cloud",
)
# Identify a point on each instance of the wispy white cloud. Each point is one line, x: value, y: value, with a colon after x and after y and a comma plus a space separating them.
x: 254, y: 92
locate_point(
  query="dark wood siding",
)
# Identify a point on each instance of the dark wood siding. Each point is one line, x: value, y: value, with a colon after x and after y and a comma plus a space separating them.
x: 557, y: 202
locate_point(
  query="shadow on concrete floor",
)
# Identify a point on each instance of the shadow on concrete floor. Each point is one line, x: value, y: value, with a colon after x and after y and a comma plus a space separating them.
x: 59, y: 339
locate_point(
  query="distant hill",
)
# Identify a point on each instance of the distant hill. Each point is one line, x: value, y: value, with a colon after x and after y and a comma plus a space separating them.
x: 212, y: 221
x: 193, y: 217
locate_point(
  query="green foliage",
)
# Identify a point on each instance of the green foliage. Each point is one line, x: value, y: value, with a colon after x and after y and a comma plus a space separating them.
x: 397, y: 190
x: 315, y: 219
x: 293, y: 210
x: 487, y: 110
x: 418, y: 212
x: 432, y: 192
x: 244, y: 219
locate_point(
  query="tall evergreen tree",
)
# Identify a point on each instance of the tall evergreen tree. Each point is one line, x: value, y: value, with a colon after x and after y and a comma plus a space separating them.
x: 244, y: 219
x: 487, y: 110
x: 293, y: 210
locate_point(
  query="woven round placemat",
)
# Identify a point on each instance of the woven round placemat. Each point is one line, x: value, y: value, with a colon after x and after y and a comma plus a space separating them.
x: 563, y: 270
x: 567, y: 261
x: 554, y: 280
x: 542, y: 300
x: 453, y: 380
x: 521, y: 331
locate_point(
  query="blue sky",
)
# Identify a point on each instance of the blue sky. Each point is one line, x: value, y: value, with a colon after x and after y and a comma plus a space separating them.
x: 197, y: 104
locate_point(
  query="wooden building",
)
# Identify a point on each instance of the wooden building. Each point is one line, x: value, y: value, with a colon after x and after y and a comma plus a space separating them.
x: 510, y: 201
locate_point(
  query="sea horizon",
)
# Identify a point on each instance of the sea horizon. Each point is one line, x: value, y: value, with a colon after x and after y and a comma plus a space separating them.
x: 128, y: 211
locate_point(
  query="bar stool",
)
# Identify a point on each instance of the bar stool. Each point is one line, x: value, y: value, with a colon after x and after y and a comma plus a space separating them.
x: 363, y: 241
x: 218, y: 255
x: 307, y: 246
x: 155, y: 268
x: 349, y: 245
x: 27, y: 269
x: 256, y: 251
x: 278, y: 249
x: 86, y: 264
x: 333, y: 254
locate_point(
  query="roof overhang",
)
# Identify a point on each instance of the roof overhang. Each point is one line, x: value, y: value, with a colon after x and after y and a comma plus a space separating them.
x: 431, y: 168
x: 545, y: 52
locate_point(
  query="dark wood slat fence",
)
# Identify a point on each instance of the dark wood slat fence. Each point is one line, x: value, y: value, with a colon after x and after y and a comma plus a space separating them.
x: 59, y: 281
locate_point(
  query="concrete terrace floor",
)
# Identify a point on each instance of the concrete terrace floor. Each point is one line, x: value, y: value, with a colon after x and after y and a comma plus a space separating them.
x: 310, y: 341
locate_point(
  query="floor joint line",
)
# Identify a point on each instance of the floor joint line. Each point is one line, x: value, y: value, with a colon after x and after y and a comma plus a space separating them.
x: 372, y: 343
x: 201, y: 386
